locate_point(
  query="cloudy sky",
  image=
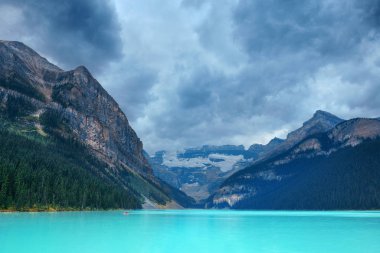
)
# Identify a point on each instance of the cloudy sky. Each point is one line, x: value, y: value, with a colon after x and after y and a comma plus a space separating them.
x: 193, y: 72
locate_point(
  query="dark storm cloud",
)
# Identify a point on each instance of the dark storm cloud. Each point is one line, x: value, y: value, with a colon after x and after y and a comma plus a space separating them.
x: 194, y: 72
x: 84, y: 32
x: 371, y: 12
x: 328, y: 29
x: 273, y: 63
x: 196, y: 89
x: 288, y: 42
x: 130, y: 83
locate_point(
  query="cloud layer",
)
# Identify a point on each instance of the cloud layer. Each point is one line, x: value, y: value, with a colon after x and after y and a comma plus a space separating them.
x: 190, y: 72
x: 71, y: 32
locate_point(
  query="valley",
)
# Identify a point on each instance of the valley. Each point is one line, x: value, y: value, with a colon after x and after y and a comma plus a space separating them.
x: 67, y: 145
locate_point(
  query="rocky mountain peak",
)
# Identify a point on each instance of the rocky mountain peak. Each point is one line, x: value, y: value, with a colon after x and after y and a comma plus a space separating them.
x: 275, y: 141
x: 19, y: 52
x: 72, y: 107
x: 321, y: 113
x: 260, y: 148
x: 92, y: 115
x: 83, y: 71
x: 323, y: 117
x: 320, y: 122
x: 82, y: 79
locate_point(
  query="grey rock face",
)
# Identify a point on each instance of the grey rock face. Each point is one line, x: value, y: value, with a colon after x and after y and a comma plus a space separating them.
x: 320, y: 122
x: 97, y: 120
x: 91, y: 114
x: 353, y: 132
x: 260, y: 150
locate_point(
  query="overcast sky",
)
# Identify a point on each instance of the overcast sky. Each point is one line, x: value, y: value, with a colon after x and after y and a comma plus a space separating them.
x: 193, y: 72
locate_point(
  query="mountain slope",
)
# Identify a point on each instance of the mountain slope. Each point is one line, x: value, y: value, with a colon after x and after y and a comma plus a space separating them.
x: 337, y: 169
x: 40, y: 173
x: 320, y: 122
x: 72, y: 106
x: 197, y: 171
x: 200, y: 171
x: 259, y: 150
x: 88, y: 110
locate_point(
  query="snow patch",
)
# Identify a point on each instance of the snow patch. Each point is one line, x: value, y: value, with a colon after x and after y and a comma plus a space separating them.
x: 224, y: 162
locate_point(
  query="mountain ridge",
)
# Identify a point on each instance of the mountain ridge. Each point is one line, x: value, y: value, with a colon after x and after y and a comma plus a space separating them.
x: 73, y: 105
x: 202, y: 177
x: 198, y: 171
x: 72, y: 90
x: 318, y: 154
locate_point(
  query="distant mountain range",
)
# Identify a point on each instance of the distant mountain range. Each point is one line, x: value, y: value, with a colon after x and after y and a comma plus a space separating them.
x: 50, y: 109
x: 65, y: 144
x: 327, y: 170
x: 200, y: 171
x: 328, y: 163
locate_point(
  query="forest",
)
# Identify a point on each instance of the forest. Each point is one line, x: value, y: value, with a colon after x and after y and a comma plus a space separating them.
x: 347, y: 179
x: 50, y: 174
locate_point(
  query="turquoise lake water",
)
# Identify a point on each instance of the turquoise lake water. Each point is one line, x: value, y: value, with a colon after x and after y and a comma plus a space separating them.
x: 190, y: 231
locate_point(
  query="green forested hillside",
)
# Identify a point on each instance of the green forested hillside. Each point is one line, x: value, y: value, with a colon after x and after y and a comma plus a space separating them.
x: 66, y: 144
x: 347, y: 179
x: 41, y: 173
x: 40, y: 169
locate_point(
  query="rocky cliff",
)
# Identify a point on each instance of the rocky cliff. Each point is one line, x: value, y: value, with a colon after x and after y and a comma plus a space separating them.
x: 320, y: 122
x: 92, y: 115
x: 73, y: 105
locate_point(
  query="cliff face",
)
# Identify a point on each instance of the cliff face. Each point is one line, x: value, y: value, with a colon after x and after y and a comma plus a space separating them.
x: 96, y: 119
x: 89, y: 112
x: 42, y: 98
x: 319, y: 123
x: 353, y: 132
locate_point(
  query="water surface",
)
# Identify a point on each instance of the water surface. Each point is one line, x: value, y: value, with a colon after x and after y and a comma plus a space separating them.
x: 190, y: 231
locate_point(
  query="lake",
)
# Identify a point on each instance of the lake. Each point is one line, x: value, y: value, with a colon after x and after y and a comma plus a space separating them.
x: 190, y: 231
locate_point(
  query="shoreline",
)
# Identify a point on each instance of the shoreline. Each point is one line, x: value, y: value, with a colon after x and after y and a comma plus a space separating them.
x: 53, y: 210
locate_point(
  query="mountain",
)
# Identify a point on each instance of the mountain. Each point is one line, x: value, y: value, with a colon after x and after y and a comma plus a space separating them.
x: 67, y: 109
x: 199, y: 171
x: 320, y: 122
x: 260, y: 150
x: 89, y: 111
x: 335, y: 169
